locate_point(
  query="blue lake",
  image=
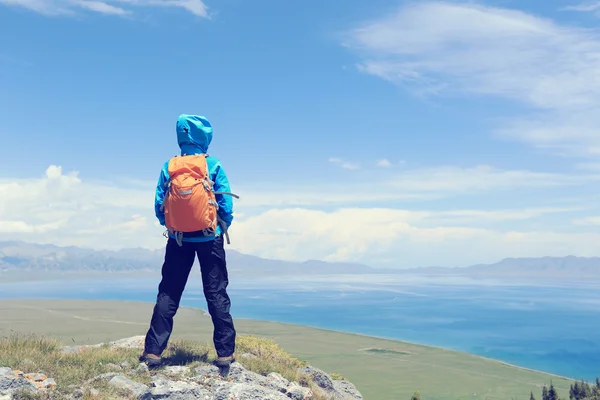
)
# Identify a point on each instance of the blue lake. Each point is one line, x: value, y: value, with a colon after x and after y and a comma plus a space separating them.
x: 549, y: 328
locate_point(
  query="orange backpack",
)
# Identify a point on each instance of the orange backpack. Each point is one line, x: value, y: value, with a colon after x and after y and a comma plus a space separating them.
x: 189, y: 203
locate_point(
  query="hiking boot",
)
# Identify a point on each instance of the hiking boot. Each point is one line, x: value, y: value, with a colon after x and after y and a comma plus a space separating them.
x: 151, y: 360
x: 223, y: 362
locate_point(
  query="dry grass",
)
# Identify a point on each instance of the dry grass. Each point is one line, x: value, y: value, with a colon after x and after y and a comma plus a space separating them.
x: 39, y: 354
x: 269, y: 357
x: 337, y: 377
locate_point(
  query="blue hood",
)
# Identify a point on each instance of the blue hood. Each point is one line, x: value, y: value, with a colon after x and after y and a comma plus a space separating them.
x: 194, y: 134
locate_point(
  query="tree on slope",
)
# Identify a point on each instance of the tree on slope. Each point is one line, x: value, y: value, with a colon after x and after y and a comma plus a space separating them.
x: 584, y: 391
x: 416, y: 396
x: 580, y: 391
x: 552, y: 394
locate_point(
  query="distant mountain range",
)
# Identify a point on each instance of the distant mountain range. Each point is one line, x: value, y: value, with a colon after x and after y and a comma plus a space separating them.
x: 25, y: 257
x: 542, y: 268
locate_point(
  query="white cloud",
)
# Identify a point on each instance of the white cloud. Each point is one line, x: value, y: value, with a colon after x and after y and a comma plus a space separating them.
x: 61, y: 208
x: 373, y: 235
x: 111, y: 7
x: 64, y: 209
x: 587, y: 221
x: 344, y: 164
x: 384, y: 163
x: 448, y: 48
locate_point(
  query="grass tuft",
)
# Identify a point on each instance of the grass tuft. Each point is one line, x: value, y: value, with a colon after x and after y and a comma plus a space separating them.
x: 266, y: 356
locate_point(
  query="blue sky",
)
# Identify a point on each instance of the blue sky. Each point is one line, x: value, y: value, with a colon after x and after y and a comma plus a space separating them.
x: 387, y: 132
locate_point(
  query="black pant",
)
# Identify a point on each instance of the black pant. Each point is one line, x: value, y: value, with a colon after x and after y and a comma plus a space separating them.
x: 175, y: 271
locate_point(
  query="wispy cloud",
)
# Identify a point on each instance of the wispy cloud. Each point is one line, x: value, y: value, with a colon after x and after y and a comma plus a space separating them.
x: 101, y: 7
x: 588, y: 166
x: 197, y: 7
x: 447, y: 48
x: 587, y: 221
x: 584, y: 7
x: 344, y: 164
x: 432, y: 183
x: 110, y: 7
x: 48, y: 7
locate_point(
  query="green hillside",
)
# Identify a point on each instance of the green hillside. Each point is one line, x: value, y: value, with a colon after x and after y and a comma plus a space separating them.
x: 380, y: 369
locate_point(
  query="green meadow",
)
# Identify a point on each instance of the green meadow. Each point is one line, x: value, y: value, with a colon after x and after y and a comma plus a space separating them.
x: 381, y: 369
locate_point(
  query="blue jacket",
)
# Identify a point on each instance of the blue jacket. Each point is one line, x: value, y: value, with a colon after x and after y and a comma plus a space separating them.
x: 194, y: 134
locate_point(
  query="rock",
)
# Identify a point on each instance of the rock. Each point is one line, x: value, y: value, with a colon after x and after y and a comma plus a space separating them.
x: 245, y: 391
x: 277, y: 382
x: 248, y: 355
x: 319, y: 377
x: 35, y: 377
x: 176, y: 370
x: 138, y: 390
x: 48, y: 383
x: 297, y: 392
x: 134, y: 342
x: 142, y: 368
x: 15, y: 380
x: 77, y: 393
x: 347, y: 390
x: 125, y: 365
x: 238, y: 373
x: 79, y: 348
x: 159, y: 380
x: 205, y: 370
x: 168, y: 390
x: 342, y: 390
x: 102, y: 377
x: 11, y: 381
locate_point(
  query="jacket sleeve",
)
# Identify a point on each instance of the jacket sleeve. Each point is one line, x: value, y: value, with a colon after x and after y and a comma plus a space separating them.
x: 160, y: 193
x: 221, y: 184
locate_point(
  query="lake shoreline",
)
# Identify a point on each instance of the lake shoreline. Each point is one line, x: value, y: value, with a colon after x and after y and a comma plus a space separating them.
x: 289, y: 324
x: 396, y: 372
x: 511, y: 326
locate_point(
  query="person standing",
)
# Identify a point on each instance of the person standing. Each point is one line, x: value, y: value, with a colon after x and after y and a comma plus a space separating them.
x: 193, y: 201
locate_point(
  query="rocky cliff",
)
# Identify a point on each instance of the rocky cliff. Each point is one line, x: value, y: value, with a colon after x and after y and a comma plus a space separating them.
x: 187, y: 377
